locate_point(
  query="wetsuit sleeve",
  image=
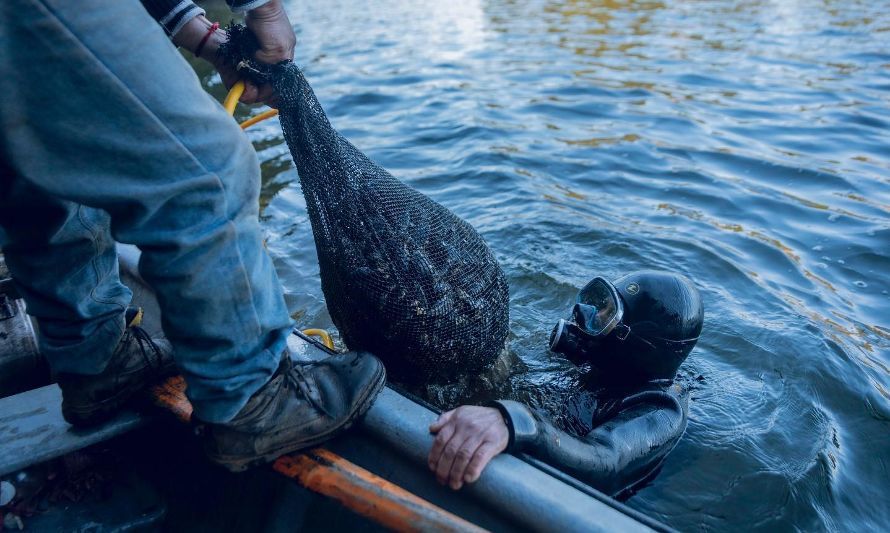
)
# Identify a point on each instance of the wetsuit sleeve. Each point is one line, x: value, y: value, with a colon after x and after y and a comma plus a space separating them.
x: 172, y: 14
x: 615, y: 455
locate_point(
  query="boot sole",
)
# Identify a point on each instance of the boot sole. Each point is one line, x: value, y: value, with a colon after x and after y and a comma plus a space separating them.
x: 240, y: 464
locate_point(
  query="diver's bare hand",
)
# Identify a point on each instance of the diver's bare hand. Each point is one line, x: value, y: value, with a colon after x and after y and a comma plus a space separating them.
x: 467, y: 439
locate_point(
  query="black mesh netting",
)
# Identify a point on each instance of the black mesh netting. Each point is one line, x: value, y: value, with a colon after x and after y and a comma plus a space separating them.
x: 403, y: 277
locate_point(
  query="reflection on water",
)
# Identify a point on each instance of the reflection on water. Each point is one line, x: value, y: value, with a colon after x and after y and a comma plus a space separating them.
x: 744, y: 144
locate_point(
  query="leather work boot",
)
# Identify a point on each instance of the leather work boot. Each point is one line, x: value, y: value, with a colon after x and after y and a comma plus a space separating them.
x: 302, y: 405
x: 136, y: 363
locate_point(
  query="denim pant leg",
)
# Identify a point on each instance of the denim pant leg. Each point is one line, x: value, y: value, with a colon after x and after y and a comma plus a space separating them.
x: 63, y: 260
x: 100, y: 109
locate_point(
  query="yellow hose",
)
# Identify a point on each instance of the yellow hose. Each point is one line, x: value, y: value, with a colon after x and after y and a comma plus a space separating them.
x: 232, y: 98
x: 259, y: 118
x: 231, y: 102
x: 324, y: 335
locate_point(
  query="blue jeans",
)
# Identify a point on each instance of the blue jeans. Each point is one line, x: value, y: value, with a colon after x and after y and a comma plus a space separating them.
x: 107, y: 135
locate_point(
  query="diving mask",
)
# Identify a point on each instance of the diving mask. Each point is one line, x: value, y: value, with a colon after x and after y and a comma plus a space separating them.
x: 597, y: 313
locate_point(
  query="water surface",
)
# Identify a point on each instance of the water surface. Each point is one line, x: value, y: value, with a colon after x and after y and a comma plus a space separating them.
x: 743, y: 144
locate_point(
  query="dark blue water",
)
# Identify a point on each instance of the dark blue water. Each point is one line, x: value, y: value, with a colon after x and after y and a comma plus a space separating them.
x: 744, y: 144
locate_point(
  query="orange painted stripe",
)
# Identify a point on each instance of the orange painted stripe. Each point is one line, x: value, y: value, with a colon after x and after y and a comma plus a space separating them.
x: 367, y: 494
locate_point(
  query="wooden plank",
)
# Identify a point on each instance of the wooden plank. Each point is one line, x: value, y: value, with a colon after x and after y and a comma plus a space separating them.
x: 32, y: 429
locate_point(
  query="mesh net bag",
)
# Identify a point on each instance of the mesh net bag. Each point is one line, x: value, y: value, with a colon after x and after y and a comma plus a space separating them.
x: 403, y: 277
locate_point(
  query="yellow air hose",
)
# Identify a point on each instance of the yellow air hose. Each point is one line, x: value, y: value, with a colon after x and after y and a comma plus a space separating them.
x: 229, y: 104
x: 232, y: 100
x: 324, y: 335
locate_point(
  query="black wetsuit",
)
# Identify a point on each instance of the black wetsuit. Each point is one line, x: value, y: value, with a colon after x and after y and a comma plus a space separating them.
x: 611, y: 443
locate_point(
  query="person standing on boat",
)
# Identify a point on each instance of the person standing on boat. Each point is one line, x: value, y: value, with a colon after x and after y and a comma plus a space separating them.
x: 107, y: 135
x: 617, y: 428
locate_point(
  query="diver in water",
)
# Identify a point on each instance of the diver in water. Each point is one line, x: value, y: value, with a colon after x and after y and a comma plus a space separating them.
x: 630, y: 338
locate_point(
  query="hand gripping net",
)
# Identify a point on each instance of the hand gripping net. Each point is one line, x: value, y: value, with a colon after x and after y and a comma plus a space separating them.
x: 403, y: 277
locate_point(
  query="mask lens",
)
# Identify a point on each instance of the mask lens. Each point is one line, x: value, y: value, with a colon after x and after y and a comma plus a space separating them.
x: 597, y: 308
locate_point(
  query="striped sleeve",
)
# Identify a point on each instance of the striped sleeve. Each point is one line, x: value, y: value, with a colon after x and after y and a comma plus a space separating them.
x: 173, y: 14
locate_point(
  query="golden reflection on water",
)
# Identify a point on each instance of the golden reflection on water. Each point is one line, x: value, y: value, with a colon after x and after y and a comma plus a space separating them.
x: 602, y: 141
x: 600, y: 15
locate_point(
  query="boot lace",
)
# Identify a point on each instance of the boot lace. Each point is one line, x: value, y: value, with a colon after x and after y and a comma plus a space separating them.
x: 150, y: 351
x: 295, y: 375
